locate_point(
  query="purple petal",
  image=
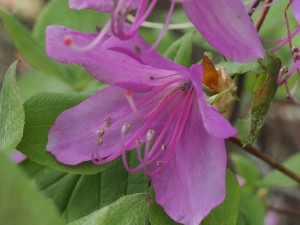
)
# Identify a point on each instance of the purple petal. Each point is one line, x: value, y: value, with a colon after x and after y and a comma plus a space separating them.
x: 193, y: 182
x: 73, y: 137
x: 109, y: 66
x: 17, y: 157
x: 213, y: 121
x: 296, y: 9
x: 226, y: 25
x: 100, y: 5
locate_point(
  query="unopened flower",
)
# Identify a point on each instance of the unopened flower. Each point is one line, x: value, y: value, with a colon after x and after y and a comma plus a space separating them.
x: 154, y: 106
x: 225, y: 24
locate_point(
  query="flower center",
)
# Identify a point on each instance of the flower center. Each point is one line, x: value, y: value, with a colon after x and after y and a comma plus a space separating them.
x: 161, y: 129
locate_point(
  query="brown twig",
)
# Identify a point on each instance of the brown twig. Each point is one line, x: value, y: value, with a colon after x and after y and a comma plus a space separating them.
x: 254, y: 151
x: 262, y: 16
x: 255, y: 4
x: 288, y: 212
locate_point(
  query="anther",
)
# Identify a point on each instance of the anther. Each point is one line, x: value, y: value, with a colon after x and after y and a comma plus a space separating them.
x: 164, y: 147
x: 107, y: 125
x: 285, y: 69
x: 100, y: 141
x: 107, y: 122
x: 68, y: 41
x: 296, y: 56
x: 295, y: 49
x: 107, y: 119
x: 126, y: 127
x: 138, y: 142
x: 159, y: 163
x: 150, y: 135
x: 137, y: 48
x: 98, y: 28
x: 127, y: 93
x: 100, y: 133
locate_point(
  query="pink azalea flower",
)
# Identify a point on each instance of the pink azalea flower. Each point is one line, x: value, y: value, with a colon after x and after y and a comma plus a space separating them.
x: 151, y: 102
x: 225, y: 24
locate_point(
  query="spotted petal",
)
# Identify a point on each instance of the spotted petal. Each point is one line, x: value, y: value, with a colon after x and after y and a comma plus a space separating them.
x: 226, y: 25
x: 74, y: 136
x: 193, y: 182
x: 110, y: 66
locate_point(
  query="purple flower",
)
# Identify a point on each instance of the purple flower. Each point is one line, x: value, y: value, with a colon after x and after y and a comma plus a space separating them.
x: 225, y: 24
x: 151, y: 102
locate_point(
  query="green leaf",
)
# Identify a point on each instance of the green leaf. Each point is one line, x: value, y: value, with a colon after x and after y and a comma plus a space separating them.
x: 243, y: 126
x: 227, y: 212
x: 76, y: 195
x: 31, y: 50
x: 157, y: 215
x: 181, y: 50
x: 235, y: 68
x: 276, y: 178
x: 252, y: 210
x: 57, y: 12
x: 265, y: 91
x: 20, y: 203
x: 40, y: 113
x: 130, y: 209
x: 12, y: 114
x: 246, y: 168
x: 42, y: 83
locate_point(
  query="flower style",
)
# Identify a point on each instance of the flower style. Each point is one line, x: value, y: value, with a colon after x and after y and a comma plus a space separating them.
x: 225, y: 24
x: 152, y: 105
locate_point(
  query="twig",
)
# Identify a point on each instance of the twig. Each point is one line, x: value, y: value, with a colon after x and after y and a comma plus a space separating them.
x: 254, y: 151
x: 263, y: 15
x: 288, y: 212
x: 251, y: 11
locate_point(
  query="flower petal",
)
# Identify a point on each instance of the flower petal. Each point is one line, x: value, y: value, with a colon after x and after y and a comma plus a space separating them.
x: 193, y: 182
x: 100, y: 5
x: 109, y: 66
x: 73, y: 137
x: 296, y: 9
x: 226, y: 25
x: 214, y: 122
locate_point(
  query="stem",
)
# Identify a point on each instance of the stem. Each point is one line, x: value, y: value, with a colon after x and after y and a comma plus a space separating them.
x: 288, y: 212
x: 254, y: 151
x: 251, y: 11
x: 262, y: 16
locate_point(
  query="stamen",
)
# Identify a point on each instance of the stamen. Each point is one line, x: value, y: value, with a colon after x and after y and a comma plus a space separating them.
x: 164, y: 147
x: 129, y: 98
x: 158, y: 78
x: 125, y: 128
x: 100, y: 133
x: 138, y: 145
x: 68, y: 41
x: 150, y: 135
x: 107, y: 122
x: 165, y: 27
x: 100, y: 141
x: 159, y: 163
